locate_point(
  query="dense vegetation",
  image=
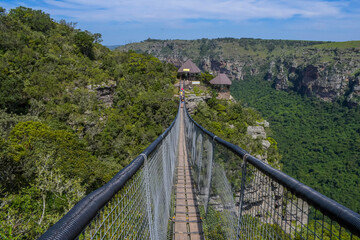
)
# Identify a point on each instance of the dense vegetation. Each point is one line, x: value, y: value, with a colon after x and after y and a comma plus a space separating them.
x: 229, y: 121
x: 319, y: 141
x: 244, y: 49
x: 72, y: 114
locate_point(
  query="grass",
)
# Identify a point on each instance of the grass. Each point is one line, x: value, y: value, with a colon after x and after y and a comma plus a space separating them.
x: 342, y: 45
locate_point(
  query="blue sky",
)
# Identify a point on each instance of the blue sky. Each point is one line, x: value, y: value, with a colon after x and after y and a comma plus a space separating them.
x: 126, y: 21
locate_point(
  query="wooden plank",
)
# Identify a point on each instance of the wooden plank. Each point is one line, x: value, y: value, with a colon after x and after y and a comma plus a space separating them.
x: 187, y: 219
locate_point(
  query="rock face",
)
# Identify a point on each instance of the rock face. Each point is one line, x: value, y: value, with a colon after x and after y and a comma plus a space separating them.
x: 267, y: 200
x: 264, y: 123
x: 192, y: 101
x: 256, y: 132
x: 325, y: 84
x: 353, y: 98
x: 328, y: 73
x: 281, y: 80
x: 104, y: 92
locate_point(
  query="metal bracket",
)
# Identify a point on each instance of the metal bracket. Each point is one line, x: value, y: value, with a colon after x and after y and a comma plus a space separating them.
x: 214, y: 138
x: 244, y: 160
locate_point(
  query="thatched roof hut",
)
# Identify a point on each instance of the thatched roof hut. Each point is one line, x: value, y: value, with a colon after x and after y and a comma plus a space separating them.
x: 189, y: 67
x: 221, y: 79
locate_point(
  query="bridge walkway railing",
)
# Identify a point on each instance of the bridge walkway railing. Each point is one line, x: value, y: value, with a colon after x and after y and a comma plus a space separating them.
x: 242, y: 197
x: 238, y: 195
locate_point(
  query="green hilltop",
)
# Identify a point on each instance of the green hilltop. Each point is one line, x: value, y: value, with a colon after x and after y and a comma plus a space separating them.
x: 340, y: 45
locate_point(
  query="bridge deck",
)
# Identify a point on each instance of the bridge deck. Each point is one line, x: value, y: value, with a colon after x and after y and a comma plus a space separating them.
x: 187, y: 222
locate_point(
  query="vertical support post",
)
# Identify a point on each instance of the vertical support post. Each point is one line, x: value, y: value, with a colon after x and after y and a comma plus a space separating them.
x: 210, y: 172
x: 242, y: 191
x: 198, y: 165
x: 166, y: 170
x: 148, y: 198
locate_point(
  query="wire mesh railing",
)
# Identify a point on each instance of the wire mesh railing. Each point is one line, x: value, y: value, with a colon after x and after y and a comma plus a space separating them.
x: 239, y: 196
x: 242, y: 197
x: 135, y: 204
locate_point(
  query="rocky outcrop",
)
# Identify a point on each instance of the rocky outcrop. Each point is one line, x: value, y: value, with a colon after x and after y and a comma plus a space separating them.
x: 192, y: 101
x: 104, y: 92
x: 256, y: 132
x: 326, y: 84
x: 268, y: 201
x: 270, y: 74
x: 353, y: 98
x: 281, y: 80
x: 263, y: 123
x: 234, y: 70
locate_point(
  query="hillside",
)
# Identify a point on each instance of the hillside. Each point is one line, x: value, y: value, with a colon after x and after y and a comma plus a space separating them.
x: 319, y: 140
x: 329, y: 71
x: 72, y: 114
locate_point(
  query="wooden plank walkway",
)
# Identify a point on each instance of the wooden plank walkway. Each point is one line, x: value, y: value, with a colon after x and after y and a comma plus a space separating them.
x: 187, y: 222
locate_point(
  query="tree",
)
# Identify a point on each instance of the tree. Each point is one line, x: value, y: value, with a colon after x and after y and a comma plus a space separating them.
x: 84, y: 40
x: 35, y: 19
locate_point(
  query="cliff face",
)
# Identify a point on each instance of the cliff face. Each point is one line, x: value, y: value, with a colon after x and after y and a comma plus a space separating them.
x: 328, y: 71
x: 328, y: 74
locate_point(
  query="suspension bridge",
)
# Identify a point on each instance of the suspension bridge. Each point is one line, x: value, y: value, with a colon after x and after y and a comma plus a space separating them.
x: 191, y: 184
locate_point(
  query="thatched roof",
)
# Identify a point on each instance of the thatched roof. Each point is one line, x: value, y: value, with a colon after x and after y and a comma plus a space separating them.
x: 221, y: 79
x: 189, y: 67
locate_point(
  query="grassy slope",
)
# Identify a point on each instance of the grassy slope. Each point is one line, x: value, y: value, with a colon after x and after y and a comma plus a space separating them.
x: 342, y: 45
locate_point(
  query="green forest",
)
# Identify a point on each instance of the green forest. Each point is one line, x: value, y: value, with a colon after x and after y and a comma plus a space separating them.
x: 319, y: 141
x: 72, y: 114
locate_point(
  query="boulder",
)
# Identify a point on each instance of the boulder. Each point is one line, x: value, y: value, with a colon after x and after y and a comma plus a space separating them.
x: 265, y: 144
x: 256, y: 132
x: 264, y: 123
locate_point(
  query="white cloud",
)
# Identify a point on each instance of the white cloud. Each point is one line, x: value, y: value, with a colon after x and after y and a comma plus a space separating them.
x: 170, y: 10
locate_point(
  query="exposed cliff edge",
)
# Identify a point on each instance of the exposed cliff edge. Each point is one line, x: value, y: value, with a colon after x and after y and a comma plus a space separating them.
x: 328, y: 71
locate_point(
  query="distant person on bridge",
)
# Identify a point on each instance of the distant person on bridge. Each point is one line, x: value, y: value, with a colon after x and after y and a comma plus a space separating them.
x: 182, y: 95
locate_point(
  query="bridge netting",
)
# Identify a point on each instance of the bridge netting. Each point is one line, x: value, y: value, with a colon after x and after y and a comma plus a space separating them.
x: 239, y: 197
